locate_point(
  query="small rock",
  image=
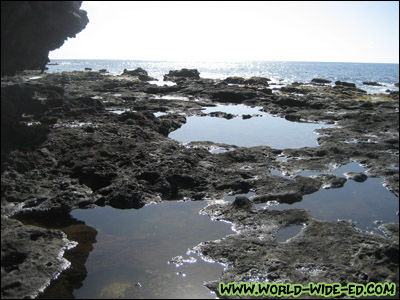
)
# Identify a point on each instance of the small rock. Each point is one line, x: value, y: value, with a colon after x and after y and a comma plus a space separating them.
x: 320, y: 80
x: 358, y: 177
x: 373, y: 83
x: 347, y: 84
x: 242, y: 203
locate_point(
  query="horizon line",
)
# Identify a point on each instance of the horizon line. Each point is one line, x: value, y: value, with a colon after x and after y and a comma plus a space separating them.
x: 239, y: 61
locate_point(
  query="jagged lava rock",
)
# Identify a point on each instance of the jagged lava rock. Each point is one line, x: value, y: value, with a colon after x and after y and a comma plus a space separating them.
x: 183, y: 73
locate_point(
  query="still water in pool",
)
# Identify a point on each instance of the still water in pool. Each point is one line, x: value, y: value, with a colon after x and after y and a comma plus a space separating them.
x: 367, y: 203
x: 130, y: 258
x: 260, y: 130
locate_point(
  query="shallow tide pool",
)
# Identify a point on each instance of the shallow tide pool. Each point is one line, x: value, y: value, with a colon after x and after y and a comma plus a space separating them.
x: 368, y: 204
x: 130, y: 258
x: 260, y: 130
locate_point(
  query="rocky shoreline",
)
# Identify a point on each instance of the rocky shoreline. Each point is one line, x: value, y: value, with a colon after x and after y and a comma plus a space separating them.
x: 64, y: 148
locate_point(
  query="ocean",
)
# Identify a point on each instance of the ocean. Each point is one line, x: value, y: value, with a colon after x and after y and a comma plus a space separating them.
x: 278, y: 71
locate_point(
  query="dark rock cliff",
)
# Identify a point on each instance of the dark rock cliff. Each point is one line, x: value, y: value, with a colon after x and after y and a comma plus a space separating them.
x: 30, y: 29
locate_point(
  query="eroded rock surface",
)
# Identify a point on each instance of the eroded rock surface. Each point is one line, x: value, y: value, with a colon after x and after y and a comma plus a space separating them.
x: 82, y: 139
x: 330, y: 252
x: 30, y: 258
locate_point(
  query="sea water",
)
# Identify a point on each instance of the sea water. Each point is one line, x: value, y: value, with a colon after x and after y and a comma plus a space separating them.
x: 132, y: 257
x: 261, y: 129
x: 367, y: 204
x: 280, y: 72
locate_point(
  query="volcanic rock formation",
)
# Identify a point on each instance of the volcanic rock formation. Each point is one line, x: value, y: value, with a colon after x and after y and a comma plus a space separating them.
x: 30, y: 29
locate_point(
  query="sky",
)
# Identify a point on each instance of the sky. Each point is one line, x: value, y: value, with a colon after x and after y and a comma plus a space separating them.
x: 337, y: 31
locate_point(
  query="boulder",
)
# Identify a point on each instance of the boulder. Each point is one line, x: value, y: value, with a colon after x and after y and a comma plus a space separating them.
x: 357, y: 177
x: 332, y: 181
x: 373, y: 83
x: 346, y: 84
x: 140, y: 73
x: 320, y: 80
x: 183, y: 73
x: 242, y: 203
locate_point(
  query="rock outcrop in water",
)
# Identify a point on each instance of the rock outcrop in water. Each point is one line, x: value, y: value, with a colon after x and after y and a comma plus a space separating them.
x: 30, y: 29
x: 64, y: 147
x: 322, y: 252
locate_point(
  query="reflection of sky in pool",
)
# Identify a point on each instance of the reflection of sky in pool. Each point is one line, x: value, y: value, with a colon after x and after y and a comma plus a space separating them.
x: 134, y: 246
x: 257, y: 131
x: 159, y: 114
x: 350, y: 167
x: 363, y: 202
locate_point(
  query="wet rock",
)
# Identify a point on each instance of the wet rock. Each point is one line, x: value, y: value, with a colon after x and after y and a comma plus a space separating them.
x: 220, y: 114
x: 285, y: 197
x: 232, y: 95
x: 258, y: 81
x: 358, y: 177
x: 139, y: 73
x: 305, y: 257
x: 373, y: 83
x: 320, y: 80
x: 90, y: 156
x: 291, y: 102
x: 394, y: 95
x: 127, y: 196
x: 262, y: 81
x: 235, y: 80
x: 169, y: 124
x: 77, y: 231
x: 242, y: 203
x: 295, y: 89
x: 257, y: 225
x: 19, y: 100
x: 346, y: 84
x: 332, y: 181
x: 391, y: 230
x: 30, y: 256
x: 183, y: 73
x: 285, y: 190
x: 95, y: 177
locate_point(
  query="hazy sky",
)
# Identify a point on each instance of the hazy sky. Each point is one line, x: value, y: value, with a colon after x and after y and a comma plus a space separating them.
x: 360, y: 31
